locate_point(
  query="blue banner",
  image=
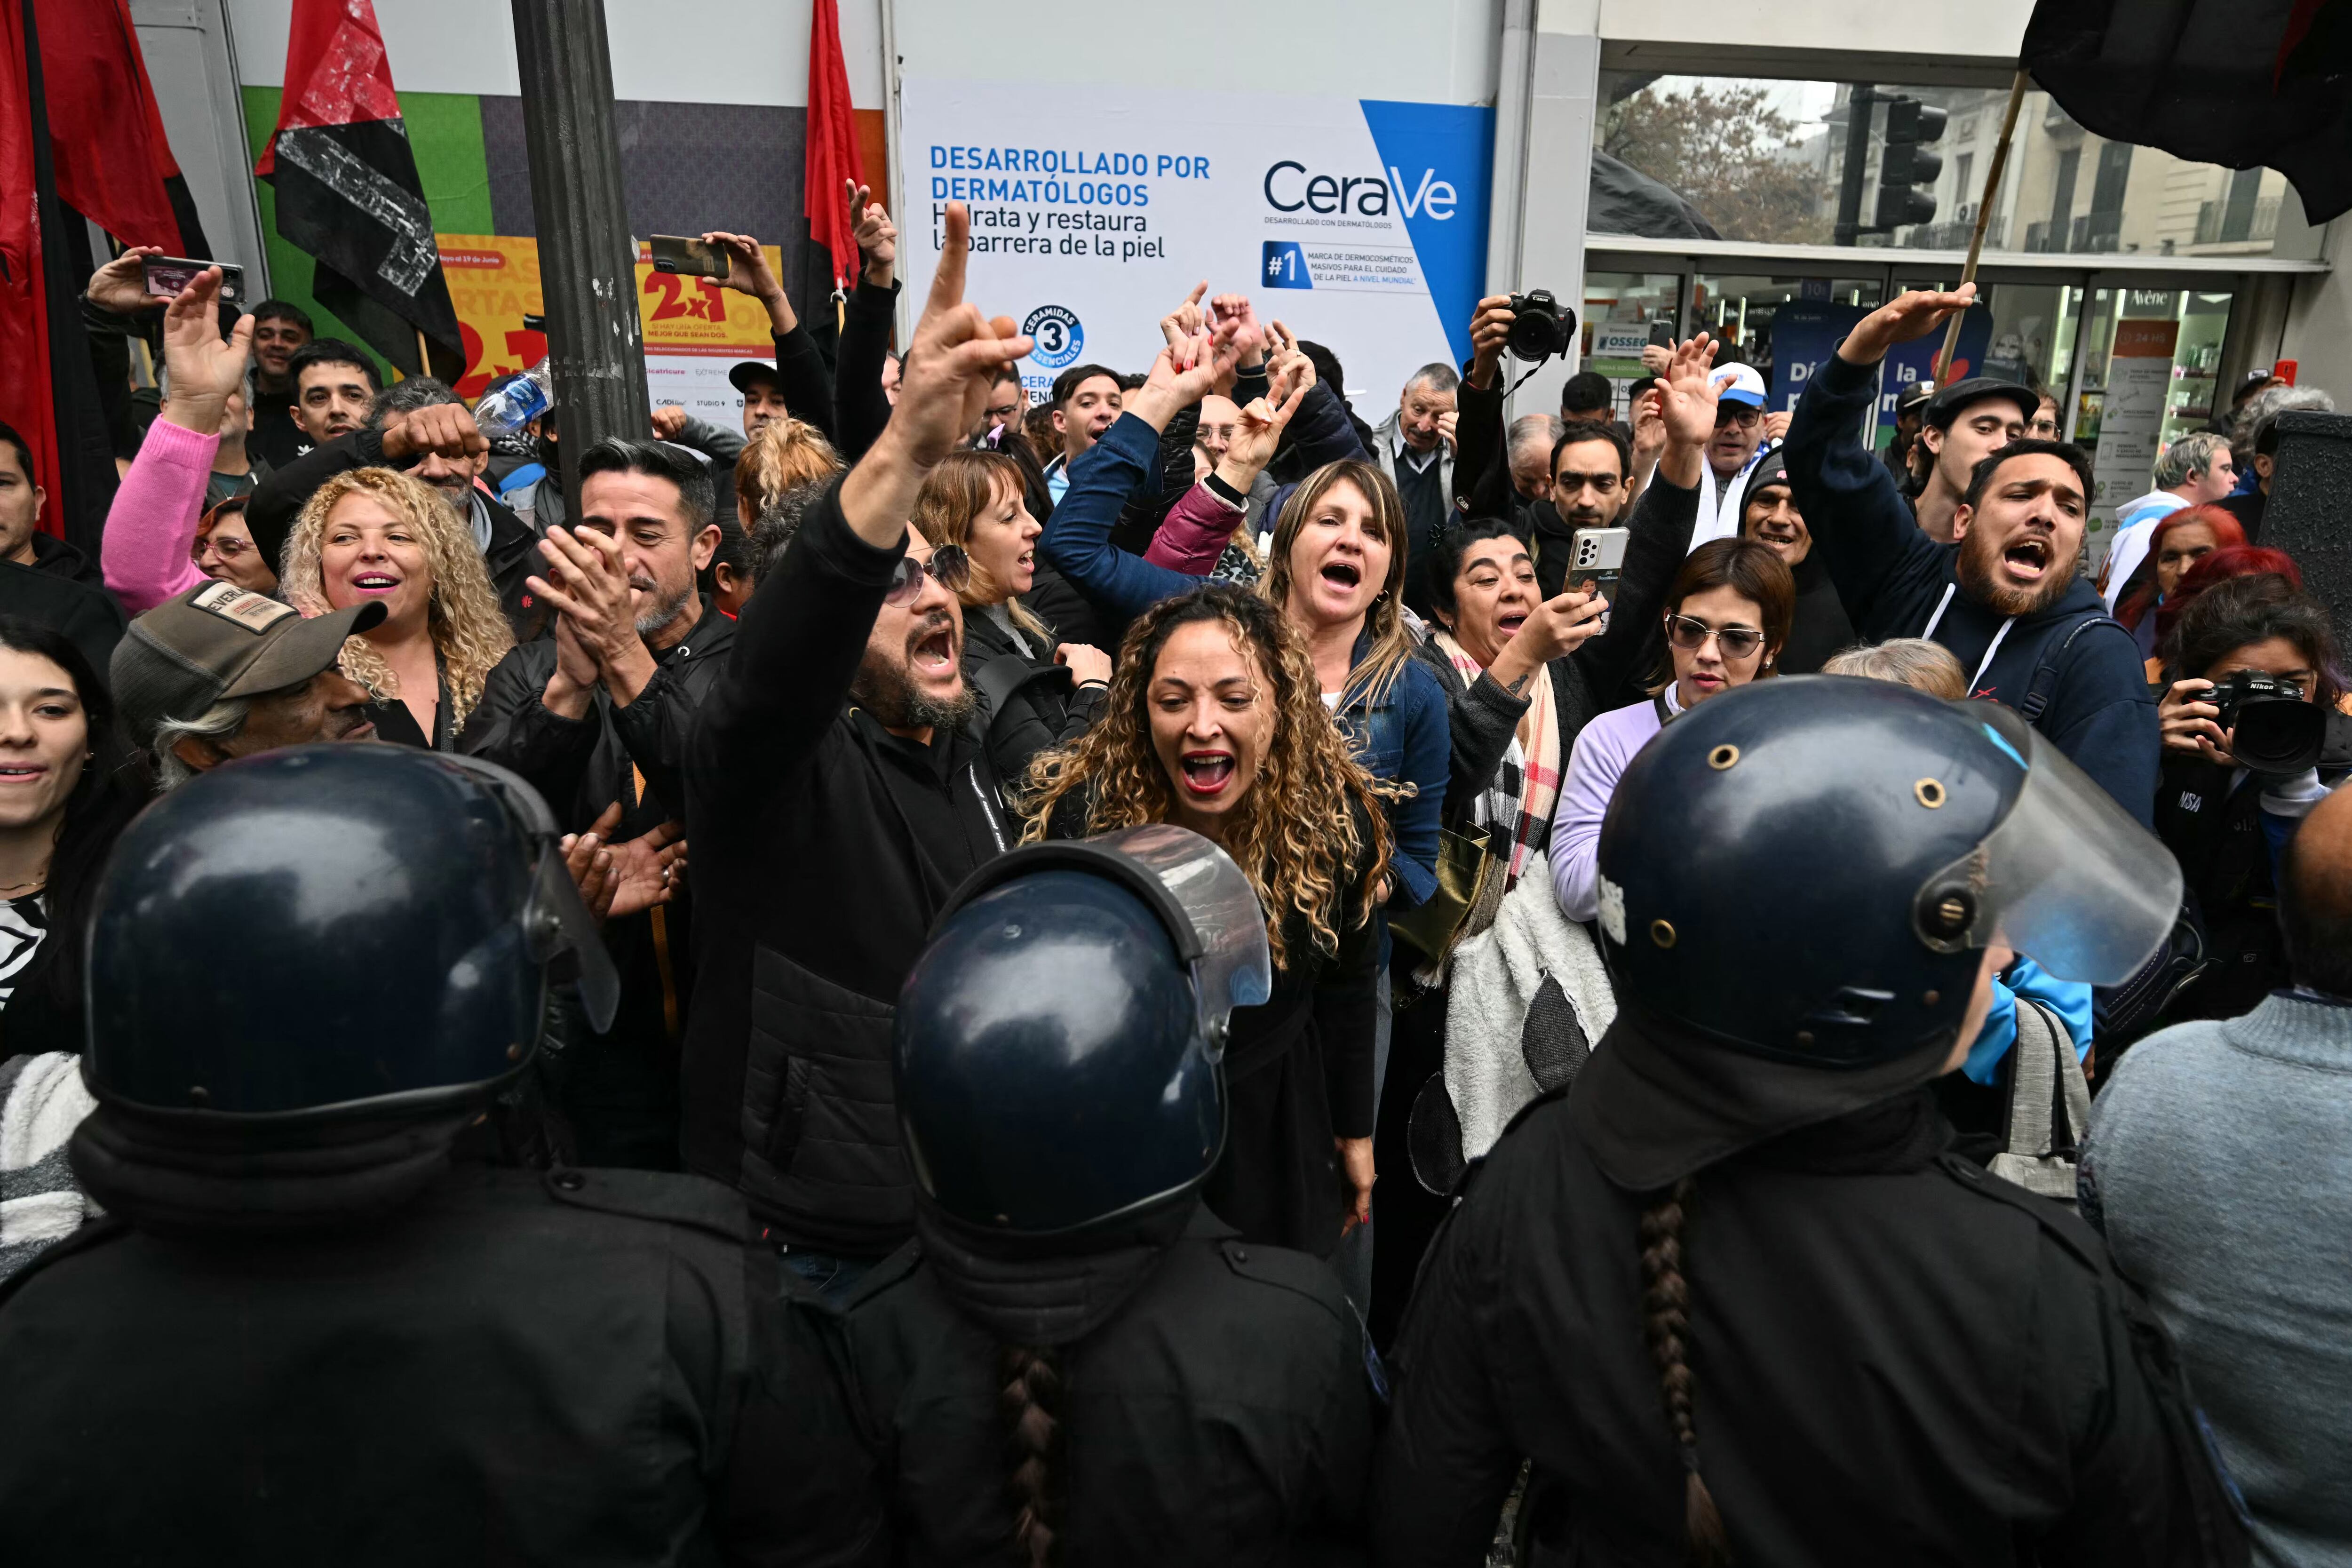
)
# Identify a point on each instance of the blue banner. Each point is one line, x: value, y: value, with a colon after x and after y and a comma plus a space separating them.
x: 1806, y: 332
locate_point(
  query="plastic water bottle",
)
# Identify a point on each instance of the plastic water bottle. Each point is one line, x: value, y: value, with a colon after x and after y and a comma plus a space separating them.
x: 516, y: 404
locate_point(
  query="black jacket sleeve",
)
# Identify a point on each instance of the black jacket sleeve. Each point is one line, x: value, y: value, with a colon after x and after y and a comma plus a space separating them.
x: 1865, y: 534
x: 1445, y: 1462
x: 1479, y: 452
x: 279, y: 499
x: 807, y: 386
x: 653, y: 731
x: 1345, y: 1003
x: 861, y: 407
x: 798, y: 644
x: 1659, y: 543
x: 511, y: 727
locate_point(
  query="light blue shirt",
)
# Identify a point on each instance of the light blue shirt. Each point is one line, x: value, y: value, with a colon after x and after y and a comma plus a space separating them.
x: 2069, y: 999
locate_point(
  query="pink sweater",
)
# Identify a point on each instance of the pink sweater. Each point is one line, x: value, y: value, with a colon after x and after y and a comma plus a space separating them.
x: 1194, y: 533
x: 152, y: 524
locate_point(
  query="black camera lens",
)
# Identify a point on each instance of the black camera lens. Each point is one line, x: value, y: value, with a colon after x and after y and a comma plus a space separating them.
x: 1541, y: 326
x: 2271, y: 729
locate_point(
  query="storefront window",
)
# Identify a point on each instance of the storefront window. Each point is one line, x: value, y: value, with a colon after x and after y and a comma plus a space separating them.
x: 1623, y: 312
x: 1741, y: 159
x: 1740, y: 310
x: 2148, y: 376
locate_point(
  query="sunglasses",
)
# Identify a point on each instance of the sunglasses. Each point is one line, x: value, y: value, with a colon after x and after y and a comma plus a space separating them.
x: 1743, y: 415
x: 1690, y: 635
x: 949, y: 566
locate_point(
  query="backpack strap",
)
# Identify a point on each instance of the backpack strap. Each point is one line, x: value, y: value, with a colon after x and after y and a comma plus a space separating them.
x: 2045, y: 674
x: 2049, y: 1106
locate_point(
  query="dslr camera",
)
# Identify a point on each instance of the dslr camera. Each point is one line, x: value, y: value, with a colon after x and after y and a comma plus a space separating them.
x: 2271, y: 729
x: 1541, y: 326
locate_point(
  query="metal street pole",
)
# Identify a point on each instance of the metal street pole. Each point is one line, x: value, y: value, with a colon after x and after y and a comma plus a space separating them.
x: 587, y: 260
x: 1857, y: 151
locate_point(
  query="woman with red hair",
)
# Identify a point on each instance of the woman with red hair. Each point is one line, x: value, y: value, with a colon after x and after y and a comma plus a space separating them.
x: 2179, y: 542
x: 2222, y: 565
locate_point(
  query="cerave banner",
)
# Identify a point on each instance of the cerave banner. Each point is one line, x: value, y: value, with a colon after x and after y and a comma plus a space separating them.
x: 1361, y: 225
x: 694, y: 329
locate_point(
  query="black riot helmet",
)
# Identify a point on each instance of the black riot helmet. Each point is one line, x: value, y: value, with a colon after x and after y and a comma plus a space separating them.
x: 334, y: 931
x: 1057, y: 1046
x: 1797, y: 881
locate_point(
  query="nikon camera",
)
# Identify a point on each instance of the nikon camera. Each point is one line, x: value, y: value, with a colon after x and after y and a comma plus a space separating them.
x: 2271, y: 729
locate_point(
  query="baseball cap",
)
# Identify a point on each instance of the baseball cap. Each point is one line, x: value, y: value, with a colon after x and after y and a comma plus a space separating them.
x: 220, y: 641
x: 1912, y: 396
x: 1947, y: 404
x: 746, y: 372
x: 1738, y: 384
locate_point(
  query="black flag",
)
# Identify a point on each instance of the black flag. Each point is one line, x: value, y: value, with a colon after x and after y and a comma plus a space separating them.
x: 348, y: 191
x: 2234, y: 83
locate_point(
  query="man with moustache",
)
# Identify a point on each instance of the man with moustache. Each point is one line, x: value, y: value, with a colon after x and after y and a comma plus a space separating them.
x: 1769, y: 515
x: 2005, y: 597
x: 835, y: 802
x: 596, y: 717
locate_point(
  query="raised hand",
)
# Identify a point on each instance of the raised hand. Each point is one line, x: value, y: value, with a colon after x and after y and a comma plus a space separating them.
x: 1687, y: 406
x: 442, y: 429
x: 876, y: 235
x: 1559, y: 626
x: 1776, y: 425
x: 1256, y: 433
x: 204, y: 367
x: 1285, y: 358
x: 951, y: 364
x: 1184, y: 321
x: 1914, y: 313
x: 1185, y: 372
x: 1490, y: 328
x: 669, y: 422
x: 1249, y: 337
x: 120, y: 286
x: 748, y: 272
x: 1649, y: 426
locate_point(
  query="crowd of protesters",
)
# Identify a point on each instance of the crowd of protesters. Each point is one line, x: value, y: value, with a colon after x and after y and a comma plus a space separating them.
x: 1485, y: 1219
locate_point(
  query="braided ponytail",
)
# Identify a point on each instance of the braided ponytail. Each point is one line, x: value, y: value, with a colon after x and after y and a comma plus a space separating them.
x: 1030, y: 1401
x: 1665, y: 1318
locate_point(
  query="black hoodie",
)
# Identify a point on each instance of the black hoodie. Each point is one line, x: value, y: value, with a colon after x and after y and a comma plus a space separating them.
x: 1891, y: 578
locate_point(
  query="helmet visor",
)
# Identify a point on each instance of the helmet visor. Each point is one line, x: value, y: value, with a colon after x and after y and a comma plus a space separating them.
x: 2066, y: 879
x: 1229, y: 961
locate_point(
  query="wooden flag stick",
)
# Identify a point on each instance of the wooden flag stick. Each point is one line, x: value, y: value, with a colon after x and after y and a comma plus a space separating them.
x: 1984, y: 214
x: 424, y: 355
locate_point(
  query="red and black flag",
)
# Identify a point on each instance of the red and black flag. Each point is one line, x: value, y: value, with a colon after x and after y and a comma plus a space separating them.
x: 114, y: 165
x: 2234, y: 83
x: 348, y: 191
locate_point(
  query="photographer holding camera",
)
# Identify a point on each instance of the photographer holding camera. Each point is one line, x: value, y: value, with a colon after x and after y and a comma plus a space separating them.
x: 2253, y: 740
x: 1534, y: 327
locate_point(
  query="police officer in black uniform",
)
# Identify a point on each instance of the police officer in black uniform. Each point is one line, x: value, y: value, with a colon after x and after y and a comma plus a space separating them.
x: 1731, y: 1295
x: 1075, y: 1359
x: 313, y: 1329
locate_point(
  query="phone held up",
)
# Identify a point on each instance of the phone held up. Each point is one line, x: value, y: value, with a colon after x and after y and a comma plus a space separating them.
x: 168, y: 276
x: 687, y: 257
x: 1598, y: 555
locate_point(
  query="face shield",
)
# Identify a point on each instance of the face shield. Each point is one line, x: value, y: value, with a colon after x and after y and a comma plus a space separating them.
x: 2066, y: 877
x: 558, y: 930
x: 1211, y: 910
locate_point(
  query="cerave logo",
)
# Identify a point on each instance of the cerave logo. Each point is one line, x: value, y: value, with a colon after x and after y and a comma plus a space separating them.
x: 1290, y: 186
x: 1058, y: 335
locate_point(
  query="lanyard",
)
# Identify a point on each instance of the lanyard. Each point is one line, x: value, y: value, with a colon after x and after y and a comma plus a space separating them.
x: 1990, y: 648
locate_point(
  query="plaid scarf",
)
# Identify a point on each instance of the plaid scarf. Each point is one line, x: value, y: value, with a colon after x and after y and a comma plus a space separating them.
x: 1527, y: 785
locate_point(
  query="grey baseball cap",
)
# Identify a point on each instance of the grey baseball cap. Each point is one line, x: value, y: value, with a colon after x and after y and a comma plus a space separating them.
x: 220, y: 641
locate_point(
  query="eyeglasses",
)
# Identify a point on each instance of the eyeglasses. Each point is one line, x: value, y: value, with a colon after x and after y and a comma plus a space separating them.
x: 1690, y: 635
x: 949, y: 566
x: 1746, y: 416
x: 227, y: 549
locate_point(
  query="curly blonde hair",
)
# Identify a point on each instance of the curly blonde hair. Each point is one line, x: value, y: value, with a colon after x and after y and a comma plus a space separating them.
x: 954, y: 494
x: 1391, y: 642
x: 468, y: 629
x: 1300, y: 830
x: 786, y: 453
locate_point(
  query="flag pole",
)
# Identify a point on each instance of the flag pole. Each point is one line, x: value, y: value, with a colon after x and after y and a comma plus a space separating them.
x: 1984, y: 214
x: 423, y: 354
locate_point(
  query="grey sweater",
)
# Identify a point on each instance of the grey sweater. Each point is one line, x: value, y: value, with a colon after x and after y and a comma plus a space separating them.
x: 2220, y: 1165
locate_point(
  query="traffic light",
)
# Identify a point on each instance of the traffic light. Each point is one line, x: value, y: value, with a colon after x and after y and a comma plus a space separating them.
x: 1906, y: 164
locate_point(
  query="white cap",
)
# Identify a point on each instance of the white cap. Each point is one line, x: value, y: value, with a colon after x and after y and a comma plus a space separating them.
x: 1738, y: 384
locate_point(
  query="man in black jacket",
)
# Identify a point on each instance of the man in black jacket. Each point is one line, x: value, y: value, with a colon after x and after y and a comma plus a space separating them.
x: 834, y: 802
x: 2005, y: 598
x: 596, y: 717
x: 418, y: 426
x: 43, y: 578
